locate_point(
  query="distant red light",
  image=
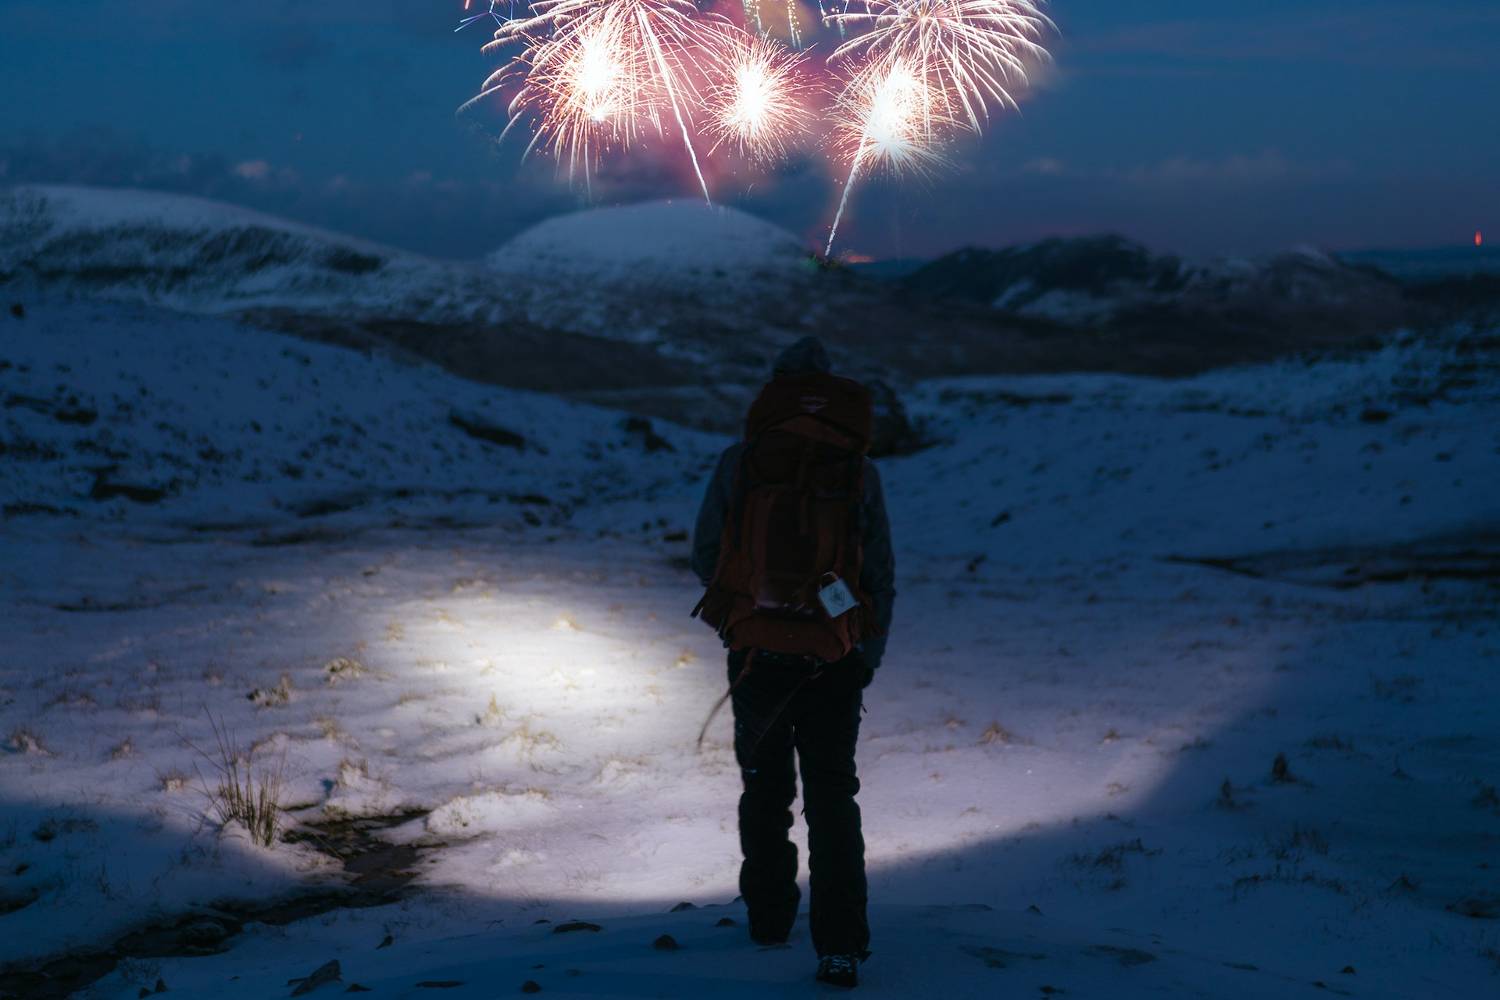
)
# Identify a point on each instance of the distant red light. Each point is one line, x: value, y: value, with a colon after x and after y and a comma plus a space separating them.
x: 1478, y: 238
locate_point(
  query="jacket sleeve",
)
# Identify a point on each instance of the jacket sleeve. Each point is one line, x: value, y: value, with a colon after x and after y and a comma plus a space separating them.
x: 878, y: 575
x: 709, y: 527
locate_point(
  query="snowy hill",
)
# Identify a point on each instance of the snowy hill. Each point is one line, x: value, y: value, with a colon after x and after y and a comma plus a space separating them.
x: 201, y: 256
x: 642, y: 302
x: 205, y: 257
x: 676, y: 242
x: 704, y: 284
x: 1110, y: 282
x: 530, y: 321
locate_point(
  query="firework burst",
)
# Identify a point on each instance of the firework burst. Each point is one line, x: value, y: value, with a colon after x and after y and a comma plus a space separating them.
x: 889, y: 118
x: 760, y: 107
x: 584, y: 92
x: 978, y: 52
x: 593, y: 73
x: 589, y: 77
x: 492, y: 13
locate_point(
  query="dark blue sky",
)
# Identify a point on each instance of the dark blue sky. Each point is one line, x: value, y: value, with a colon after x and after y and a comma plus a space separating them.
x: 1225, y: 126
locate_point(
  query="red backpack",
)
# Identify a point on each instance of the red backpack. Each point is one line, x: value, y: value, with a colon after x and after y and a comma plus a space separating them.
x: 789, y: 565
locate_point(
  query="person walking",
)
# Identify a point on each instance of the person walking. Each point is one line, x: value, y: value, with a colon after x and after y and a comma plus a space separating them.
x: 793, y: 546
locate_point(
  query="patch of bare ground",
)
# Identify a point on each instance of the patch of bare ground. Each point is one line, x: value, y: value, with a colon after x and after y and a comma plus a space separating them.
x: 378, y: 873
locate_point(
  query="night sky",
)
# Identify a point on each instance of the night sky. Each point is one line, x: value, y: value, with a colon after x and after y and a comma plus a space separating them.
x: 1206, y: 127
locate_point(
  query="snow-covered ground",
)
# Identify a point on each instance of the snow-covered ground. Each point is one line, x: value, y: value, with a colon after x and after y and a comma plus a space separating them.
x: 107, y: 406
x: 1122, y: 600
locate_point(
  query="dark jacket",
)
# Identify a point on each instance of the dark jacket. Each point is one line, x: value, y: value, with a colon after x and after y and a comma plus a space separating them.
x: 878, y: 577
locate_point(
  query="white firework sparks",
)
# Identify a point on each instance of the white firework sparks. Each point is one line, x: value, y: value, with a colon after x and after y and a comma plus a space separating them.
x: 590, y: 76
x: 656, y: 52
x: 888, y: 118
x: 976, y: 51
x: 761, y: 106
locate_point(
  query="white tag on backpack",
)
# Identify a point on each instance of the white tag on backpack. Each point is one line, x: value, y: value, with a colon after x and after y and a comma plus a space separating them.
x: 835, y: 596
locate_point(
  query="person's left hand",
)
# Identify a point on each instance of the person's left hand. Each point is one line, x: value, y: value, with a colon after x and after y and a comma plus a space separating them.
x: 861, y: 668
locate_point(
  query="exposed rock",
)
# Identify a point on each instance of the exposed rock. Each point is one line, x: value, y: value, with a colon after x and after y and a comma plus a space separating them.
x: 106, y: 489
x: 895, y: 434
x: 1482, y: 906
x: 478, y: 427
x: 204, y: 935
x: 570, y: 926
x: 640, y: 428
x: 324, y: 974
x: 10, y: 902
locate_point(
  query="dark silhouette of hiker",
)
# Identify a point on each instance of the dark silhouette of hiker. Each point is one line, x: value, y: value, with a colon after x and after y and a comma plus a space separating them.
x: 794, y: 547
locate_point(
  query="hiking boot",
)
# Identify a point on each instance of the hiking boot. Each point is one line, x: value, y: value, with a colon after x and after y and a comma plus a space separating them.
x: 839, y: 970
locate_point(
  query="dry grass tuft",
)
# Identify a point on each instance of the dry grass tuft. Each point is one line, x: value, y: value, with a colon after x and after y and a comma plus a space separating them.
x: 996, y: 734
x: 25, y: 741
x: 242, y: 790
x: 492, y: 715
x: 343, y: 668
x: 274, y: 696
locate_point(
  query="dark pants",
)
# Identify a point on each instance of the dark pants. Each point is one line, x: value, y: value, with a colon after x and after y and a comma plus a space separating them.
x: 785, y: 713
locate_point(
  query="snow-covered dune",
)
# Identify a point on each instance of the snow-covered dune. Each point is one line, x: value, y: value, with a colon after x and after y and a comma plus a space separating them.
x: 680, y: 274
x: 200, y: 256
x: 654, y: 242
